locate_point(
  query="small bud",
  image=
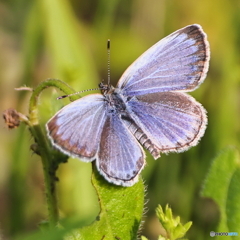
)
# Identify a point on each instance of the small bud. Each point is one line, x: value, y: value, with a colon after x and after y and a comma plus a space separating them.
x: 34, y: 147
x: 173, y: 226
x: 12, y: 118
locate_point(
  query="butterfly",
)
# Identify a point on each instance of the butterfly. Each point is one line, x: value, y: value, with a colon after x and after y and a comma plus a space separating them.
x: 148, y: 108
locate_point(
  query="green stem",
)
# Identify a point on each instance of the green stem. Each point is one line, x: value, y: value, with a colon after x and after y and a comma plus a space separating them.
x: 50, y: 164
x: 33, y: 113
x: 49, y: 173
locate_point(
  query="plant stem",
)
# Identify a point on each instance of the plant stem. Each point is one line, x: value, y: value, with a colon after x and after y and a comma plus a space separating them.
x: 49, y: 174
x: 50, y: 164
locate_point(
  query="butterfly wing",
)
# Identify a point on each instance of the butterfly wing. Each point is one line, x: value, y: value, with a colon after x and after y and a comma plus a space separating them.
x: 178, y: 62
x: 76, y: 129
x: 167, y: 122
x: 120, y: 158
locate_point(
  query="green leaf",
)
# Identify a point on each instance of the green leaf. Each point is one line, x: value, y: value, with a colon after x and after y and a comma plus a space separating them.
x: 121, y: 211
x: 233, y: 202
x: 120, y: 216
x: 222, y: 184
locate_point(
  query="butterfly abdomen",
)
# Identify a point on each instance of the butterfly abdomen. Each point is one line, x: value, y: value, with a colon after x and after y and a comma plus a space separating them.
x: 141, y: 137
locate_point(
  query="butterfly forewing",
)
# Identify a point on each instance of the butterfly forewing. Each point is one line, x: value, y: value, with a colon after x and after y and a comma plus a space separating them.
x: 178, y: 62
x: 76, y: 129
x: 171, y: 121
x: 121, y: 157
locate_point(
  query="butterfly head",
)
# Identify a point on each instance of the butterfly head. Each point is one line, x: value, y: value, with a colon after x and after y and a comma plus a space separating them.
x: 106, y: 88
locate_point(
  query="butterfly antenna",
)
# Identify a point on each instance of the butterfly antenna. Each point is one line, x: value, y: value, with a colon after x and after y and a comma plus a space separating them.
x: 69, y: 95
x: 108, y: 62
x: 101, y: 85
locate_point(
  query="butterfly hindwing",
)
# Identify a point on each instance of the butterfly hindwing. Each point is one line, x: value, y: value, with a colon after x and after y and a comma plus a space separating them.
x: 121, y: 157
x: 172, y: 121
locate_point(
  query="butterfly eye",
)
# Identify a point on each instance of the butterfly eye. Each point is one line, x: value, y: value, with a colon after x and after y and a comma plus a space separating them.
x: 128, y: 99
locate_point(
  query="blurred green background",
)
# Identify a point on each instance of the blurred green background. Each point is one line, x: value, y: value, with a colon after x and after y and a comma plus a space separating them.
x: 67, y: 40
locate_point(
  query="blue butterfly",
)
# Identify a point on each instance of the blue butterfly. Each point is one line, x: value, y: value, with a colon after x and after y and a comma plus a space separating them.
x: 148, y: 108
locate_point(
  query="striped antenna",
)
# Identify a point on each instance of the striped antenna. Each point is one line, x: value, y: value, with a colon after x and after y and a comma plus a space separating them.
x: 108, y: 63
x: 101, y: 85
x: 69, y: 95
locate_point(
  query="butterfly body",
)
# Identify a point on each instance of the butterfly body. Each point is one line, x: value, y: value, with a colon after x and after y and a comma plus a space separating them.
x: 148, y: 107
x: 115, y: 102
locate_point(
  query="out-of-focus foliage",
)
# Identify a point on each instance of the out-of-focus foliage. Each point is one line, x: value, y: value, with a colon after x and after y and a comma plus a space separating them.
x: 224, y: 174
x: 67, y: 40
